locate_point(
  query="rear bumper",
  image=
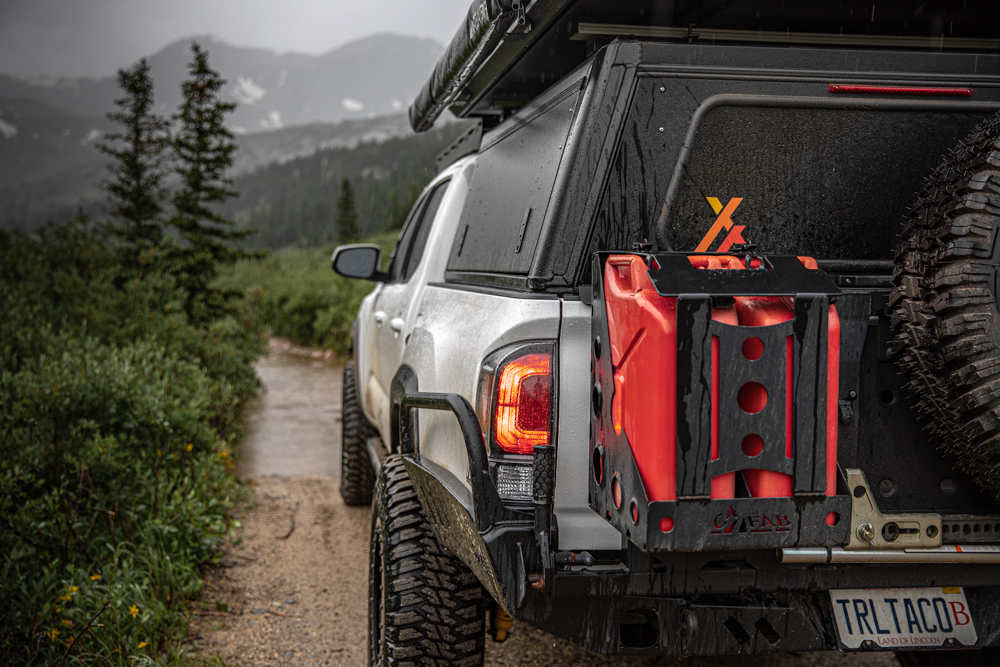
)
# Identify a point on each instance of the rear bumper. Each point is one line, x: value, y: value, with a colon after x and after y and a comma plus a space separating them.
x: 635, y: 602
x: 717, y: 624
x: 701, y: 603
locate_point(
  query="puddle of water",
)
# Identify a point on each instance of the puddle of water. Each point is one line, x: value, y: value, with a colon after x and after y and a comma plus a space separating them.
x: 294, y: 427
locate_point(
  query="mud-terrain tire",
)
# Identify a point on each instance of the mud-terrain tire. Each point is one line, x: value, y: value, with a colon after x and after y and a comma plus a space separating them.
x: 425, y: 607
x: 987, y: 657
x: 357, y: 476
x: 944, y: 306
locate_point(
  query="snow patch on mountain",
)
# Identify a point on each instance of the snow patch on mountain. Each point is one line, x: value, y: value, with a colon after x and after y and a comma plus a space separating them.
x: 247, y: 92
x: 351, y: 104
x: 93, y: 135
x: 273, y: 121
x: 8, y: 130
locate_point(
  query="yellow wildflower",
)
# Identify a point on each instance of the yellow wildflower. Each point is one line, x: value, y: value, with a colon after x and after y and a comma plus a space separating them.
x: 159, y: 453
x: 189, y: 446
x: 65, y: 598
x: 66, y: 622
x: 73, y: 589
x: 58, y: 610
x: 134, y: 611
x: 143, y: 644
x: 95, y: 577
x: 53, y: 633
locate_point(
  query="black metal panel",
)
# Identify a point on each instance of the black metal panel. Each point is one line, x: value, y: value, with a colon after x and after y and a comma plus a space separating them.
x: 770, y: 370
x: 811, y: 327
x: 646, y: 155
x: 783, y: 275
x: 695, y: 521
x: 694, y: 388
x: 879, y: 432
x: 510, y: 189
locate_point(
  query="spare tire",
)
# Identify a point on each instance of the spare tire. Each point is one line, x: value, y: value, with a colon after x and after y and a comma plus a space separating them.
x: 944, y: 306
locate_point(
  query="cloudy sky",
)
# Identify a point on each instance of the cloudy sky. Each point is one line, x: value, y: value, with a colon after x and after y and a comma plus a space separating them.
x: 95, y: 37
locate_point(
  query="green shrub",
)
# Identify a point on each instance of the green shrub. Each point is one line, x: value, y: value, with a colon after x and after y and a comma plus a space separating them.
x: 117, y: 419
x: 297, y: 295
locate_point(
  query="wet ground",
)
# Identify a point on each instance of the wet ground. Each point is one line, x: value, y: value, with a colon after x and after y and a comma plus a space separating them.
x: 293, y: 428
x: 292, y: 590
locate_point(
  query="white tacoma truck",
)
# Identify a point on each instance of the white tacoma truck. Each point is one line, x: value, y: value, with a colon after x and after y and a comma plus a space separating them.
x: 669, y: 360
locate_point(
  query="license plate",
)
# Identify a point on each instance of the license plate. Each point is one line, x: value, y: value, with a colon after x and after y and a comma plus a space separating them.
x: 902, y: 617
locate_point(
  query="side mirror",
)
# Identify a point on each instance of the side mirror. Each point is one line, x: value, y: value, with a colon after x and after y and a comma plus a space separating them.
x: 360, y: 260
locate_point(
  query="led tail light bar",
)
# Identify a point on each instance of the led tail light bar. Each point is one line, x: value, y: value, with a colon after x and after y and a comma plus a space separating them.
x: 900, y: 90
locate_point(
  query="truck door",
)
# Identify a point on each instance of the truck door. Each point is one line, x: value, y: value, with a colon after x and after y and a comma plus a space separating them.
x: 393, y: 305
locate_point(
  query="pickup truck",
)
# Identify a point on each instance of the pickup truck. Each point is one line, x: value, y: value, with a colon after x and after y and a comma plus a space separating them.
x: 691, y: 346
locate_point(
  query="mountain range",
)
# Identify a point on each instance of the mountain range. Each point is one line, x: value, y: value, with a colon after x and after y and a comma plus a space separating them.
x: 374, y: 76
x: 289, y: 106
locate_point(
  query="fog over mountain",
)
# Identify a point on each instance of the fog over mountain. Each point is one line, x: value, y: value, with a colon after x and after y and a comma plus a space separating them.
x: 374, y: 76
x: 289, y: 106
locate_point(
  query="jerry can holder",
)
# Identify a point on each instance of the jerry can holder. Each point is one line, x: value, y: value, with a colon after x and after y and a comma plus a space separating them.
x: 696, y: 521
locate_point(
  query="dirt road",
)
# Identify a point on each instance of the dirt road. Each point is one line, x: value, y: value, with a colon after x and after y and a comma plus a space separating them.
x: 293, y: 589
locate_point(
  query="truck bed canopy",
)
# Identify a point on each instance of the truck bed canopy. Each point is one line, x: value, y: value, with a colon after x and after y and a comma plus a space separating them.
x: 508, y: 51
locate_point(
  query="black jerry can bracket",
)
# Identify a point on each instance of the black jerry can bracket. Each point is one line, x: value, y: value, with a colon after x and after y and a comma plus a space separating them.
x: 696, y: 521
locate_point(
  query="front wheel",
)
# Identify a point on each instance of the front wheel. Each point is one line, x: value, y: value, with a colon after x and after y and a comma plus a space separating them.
x: 425, y: 607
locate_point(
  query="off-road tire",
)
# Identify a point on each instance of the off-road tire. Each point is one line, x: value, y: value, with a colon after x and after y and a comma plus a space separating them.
x: 944, y: 306
x: 357, y: 476
x: 425, y: 607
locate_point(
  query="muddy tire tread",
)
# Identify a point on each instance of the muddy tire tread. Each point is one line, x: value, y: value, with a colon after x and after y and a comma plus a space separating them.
x: 944, y: 309
x: 435, y: 606
x: 357, y: 476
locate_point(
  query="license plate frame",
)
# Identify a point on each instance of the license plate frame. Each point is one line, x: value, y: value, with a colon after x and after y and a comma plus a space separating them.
x: 901, y: 618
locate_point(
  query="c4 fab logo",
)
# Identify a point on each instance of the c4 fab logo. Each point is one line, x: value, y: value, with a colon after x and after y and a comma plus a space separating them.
x: 724, y: 221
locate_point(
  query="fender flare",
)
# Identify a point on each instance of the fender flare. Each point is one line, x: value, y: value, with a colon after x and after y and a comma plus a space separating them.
x: 405, y: 398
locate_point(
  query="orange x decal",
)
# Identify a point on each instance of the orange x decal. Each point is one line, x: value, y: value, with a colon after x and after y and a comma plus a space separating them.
x: 724, y: 221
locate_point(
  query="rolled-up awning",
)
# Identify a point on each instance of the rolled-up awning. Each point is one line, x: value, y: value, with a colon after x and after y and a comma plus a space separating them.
x: 481, y: 32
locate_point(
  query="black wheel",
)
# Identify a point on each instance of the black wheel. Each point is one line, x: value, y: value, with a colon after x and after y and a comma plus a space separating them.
x: 944, y: 307
x: 425, y: 607
x: 357, y: 476
x: 987, y: 657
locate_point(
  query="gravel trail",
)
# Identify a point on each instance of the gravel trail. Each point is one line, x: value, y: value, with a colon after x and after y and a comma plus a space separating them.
x: 293, y: 589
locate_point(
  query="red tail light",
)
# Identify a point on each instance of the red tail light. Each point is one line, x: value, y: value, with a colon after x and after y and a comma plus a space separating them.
x: 523, y: 409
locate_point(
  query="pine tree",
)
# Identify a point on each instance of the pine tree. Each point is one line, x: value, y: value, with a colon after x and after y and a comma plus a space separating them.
x: 347, y: 214
x: 137, y: 193
x: 204, y: 149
